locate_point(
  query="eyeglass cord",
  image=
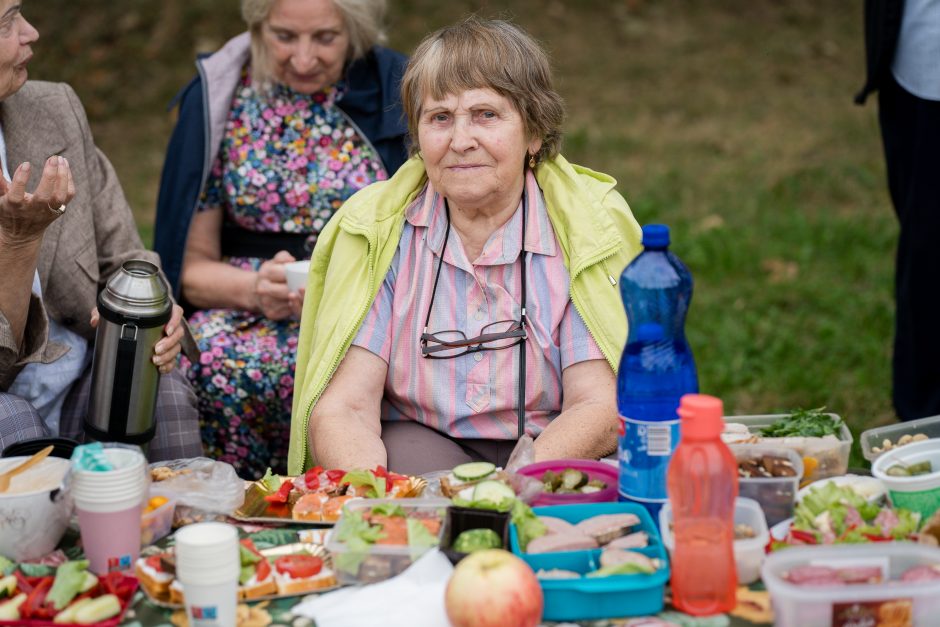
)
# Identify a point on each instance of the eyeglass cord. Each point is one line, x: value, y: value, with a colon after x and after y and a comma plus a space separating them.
x: 520, y: 393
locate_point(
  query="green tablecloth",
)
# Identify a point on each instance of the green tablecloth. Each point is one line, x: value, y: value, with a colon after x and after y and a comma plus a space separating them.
x: 144, y: 613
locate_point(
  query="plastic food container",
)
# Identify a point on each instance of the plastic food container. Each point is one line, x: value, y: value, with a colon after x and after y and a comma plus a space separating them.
x: 910, y: 603
x: 601, y: 597
x: 378, y: 562
x: 593, y: 469
x: 158, y: 523
x: 821, y: 457
x: 920, y: 493
x: 875, y: 438
x: 870, y: 488
x: 776, y: 495
x: 748, y: 552
x: 460, y: 519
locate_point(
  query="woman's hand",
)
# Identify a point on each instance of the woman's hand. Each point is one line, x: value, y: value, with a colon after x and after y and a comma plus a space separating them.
x: 271, y: 290
x: 25, y: 216
x: 296, y: 300
x: 166, y: 350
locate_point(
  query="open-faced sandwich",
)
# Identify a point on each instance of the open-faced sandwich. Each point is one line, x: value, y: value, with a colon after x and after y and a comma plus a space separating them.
x: 477, y: 481
x: 302, y: 572
x: 256, y: 578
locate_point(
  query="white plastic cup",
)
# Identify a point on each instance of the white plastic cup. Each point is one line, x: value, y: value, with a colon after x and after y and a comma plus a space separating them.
x: 207, y: 565
x: 296, y: 273
x: 109, y: 505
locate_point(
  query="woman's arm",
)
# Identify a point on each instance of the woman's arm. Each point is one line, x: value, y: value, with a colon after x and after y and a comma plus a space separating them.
x: 207, y: 280
x: 587, y: 425
x: 345, y: 429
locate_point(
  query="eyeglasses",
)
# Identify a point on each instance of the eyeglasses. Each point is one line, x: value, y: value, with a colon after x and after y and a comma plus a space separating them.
x: 494, y: 336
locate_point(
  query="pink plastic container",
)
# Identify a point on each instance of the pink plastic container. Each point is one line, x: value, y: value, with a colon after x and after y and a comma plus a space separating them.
x: 594, y: 470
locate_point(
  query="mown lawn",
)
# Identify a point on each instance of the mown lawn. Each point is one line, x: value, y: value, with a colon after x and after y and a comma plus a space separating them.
x: 732, y: 121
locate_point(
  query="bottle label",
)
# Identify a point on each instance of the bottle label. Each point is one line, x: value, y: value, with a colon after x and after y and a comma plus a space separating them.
x: 644, y: 451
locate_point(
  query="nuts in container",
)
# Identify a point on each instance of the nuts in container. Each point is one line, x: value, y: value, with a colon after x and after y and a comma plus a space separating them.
x: 907, y: 438
x: 766, y: 467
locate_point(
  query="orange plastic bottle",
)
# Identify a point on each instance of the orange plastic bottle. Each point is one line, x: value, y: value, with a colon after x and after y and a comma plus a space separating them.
x: 702, y: 483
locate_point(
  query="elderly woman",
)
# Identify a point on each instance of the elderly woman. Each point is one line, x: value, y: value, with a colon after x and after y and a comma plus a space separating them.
x: 282, y: 125
x: 471, y: 298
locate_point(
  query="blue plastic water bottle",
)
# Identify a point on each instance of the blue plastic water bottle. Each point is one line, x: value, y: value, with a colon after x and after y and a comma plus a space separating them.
x: 656, y: 369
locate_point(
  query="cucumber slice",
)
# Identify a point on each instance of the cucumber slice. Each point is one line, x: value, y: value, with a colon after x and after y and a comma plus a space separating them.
x: 492, y: 491
x: 474, y: 471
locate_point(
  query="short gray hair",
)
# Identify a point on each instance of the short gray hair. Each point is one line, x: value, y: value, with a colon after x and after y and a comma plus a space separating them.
x: 364, y: 21
x: 486, y: 54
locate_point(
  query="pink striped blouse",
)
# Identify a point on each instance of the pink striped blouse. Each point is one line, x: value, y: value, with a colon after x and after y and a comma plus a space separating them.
x: 474, y: 395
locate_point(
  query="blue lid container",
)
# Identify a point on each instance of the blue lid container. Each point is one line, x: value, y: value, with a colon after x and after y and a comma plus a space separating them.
x: 601, y: 597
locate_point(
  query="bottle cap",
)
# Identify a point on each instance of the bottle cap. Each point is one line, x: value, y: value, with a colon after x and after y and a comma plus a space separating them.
x: 655, y: 236
x: 701, y: 416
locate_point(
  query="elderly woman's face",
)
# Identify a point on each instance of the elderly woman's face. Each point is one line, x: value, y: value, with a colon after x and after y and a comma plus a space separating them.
x: 16, y: 35
x: 474, y: 147
x: 308, y: 42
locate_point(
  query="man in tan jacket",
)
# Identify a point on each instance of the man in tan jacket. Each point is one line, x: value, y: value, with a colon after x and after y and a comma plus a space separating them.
x: 59, y: 244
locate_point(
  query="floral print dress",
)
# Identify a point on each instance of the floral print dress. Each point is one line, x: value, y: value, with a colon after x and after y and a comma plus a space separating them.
x: 287, y: 162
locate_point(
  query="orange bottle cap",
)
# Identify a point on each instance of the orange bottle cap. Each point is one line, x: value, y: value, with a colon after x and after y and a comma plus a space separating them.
x: 701, y: 416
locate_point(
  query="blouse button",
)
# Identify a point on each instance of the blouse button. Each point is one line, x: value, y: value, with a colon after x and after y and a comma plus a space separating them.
x: 478, y: 315
x: 478, y: 356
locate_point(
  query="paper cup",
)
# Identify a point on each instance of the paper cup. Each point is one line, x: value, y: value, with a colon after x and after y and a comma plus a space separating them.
x: 109, y: 505
x: 297, y: 274
x: 207, y: 565
x: 920, y: 493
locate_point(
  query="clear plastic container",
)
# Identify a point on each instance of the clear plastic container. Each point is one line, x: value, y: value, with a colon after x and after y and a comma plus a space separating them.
x: 381, y: 561
x: 875, y: 438
x: 748, y: 552
x: 157, y: 523
x: 822, y: 457
x: 914, y: 603
x: 776, y: 495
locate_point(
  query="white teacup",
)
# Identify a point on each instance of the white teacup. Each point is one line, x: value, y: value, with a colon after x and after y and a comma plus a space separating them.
x: 297, y: 274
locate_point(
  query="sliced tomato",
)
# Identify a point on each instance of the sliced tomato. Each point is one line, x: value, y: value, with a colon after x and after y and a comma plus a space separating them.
x: 335, y: 475
x: 312, y: 477
x: 263, y: 569
x: 154, y: 562
x: 298, y: 566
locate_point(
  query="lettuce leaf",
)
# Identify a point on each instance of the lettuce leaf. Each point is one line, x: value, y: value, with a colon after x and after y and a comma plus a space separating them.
x: 388, y: 509
x: 271, y: 480
x: 366, y: 478
x: 6, y: 566
x: 503, y: 506
x: 528, y: 525
x: 624, y: 568
x: 419, y: 538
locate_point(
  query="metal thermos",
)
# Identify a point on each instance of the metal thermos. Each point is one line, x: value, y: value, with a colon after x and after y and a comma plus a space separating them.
x: 133, y: 307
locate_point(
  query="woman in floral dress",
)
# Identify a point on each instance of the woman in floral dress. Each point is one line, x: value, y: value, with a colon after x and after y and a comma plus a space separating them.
x: 297, y: 113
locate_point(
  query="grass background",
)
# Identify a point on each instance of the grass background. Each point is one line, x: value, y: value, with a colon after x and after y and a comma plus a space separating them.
x: 730, y: 120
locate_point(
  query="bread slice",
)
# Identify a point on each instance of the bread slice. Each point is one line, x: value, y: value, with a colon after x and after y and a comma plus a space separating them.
x: 309, y: 506
x: 289, y: 585
x: 155, y: 582
x: 176, y: 593
x: 253, y: 589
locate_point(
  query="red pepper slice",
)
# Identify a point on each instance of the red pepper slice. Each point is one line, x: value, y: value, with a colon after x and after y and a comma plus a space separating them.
x: 24, y: 583
x: 874, y: 538
x: 282, y: 493
x: 35, y: 604
x: 380, y: 471
x: 803, y: 536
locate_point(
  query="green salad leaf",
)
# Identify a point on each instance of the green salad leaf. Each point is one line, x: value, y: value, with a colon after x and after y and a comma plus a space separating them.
x: 271, y: 480
x: 36, y: 570
x: 825, y: 511
x: 367, y: 478
x: 528, y: 525
x: 6, y: 566
x: 502, y: 506
x: 419, y: 538
x: 625, y: 568
x: 388, y: 509
x: 804, y: 423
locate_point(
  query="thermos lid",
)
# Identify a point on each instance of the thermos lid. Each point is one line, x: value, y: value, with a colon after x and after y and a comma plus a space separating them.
x: 136, y: 289
x: 701, y: 416
x: 655, y: 236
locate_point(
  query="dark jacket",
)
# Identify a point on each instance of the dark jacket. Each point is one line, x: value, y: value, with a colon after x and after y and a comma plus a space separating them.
x: 371, y: 101
x: 882, y: 27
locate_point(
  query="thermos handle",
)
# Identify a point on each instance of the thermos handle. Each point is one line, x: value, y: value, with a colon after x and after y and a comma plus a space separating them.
x: 123, y: 379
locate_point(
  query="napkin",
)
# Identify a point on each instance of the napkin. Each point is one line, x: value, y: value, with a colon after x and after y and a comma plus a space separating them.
x: 415, y: 598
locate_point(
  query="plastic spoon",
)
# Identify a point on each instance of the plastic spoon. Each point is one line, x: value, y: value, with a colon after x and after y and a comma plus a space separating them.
x: 29, y: 463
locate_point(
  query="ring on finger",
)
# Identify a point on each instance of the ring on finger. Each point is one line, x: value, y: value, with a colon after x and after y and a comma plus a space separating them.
x: 58, y: 211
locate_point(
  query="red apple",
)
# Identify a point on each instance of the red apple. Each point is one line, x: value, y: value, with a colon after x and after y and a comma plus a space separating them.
x: 493, y: 588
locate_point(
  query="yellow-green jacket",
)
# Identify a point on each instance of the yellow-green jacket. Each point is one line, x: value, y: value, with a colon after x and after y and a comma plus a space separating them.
x: 596, y: 230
